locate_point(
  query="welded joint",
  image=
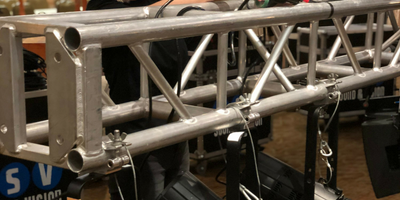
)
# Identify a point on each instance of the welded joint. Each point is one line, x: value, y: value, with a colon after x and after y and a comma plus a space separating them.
x: 394, y: 66
x: 192, y: 120
x: 371, y: 53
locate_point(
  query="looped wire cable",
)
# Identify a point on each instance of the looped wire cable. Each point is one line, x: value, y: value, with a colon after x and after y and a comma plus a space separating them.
x: 324, y: 150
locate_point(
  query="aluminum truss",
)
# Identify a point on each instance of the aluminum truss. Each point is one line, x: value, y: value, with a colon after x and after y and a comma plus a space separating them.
x: 73, y: 49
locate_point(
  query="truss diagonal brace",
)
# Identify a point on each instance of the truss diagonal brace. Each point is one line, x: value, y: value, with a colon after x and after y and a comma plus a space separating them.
x: 265, y: 55
x: 288, y: 54
x: 276, y: 51
x: 347, y: 45
x: 160, y: 81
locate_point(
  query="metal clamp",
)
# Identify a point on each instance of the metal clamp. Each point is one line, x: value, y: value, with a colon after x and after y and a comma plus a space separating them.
x: 113, y: 147
x: 243, y: 105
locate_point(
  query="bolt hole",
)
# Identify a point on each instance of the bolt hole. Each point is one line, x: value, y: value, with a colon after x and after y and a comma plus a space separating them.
x: 57, y: 57
x: 3, y: 129
x: 60, y: 140
x: 110, y: 164
x: 309, y: 170
x: 309, y: 181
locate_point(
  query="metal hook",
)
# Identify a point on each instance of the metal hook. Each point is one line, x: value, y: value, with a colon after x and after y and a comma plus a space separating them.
x: 322, y: 147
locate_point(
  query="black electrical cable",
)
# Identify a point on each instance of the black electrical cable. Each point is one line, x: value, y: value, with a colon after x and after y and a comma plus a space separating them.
x: 219, y: 174
x: 245, y: 2
x: 255, y: 63
x: 187, y: 9
x: 150, y: 82
x: 159, y: 12
x: 150, y: 85
x: 179, y: 58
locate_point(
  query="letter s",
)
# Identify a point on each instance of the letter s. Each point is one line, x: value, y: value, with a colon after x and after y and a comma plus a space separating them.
x: 12, y: 180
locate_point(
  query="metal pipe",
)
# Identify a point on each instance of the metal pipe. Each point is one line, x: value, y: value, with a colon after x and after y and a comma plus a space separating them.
x: 312, y: 53
x: 393, y: 21
x: 158, y: 137
x: 338, y: 42
x: 160, y: 81
x: 370, y: 32
x: 379, y: 40
x: 122, y: 33
x: 194, y: 60
x: 347, y: 45
x: 276, y: 51
x: 368, y: 78
x: 265, y: 55
x: 390, y: 41
x: 144, y: 78
x: 106, y: 99
x: 242, y: 54
x: 222, y: 70
x: 286, y: 51
x: 162, y: 110
x: 341, y: 70
x: 123, y: 14
x: 395, y: 59
x: 38, y: 132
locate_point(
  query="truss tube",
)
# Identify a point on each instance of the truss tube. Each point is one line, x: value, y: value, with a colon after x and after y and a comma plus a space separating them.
x: 312, y: 53
x: 369, y: 34
x: 265, y: 55
x: 390, y: 41
x: 341, y: 70
x: 123, y: 14
x: 393, y: 21
x: 396, y: 56
x: 379, y: 40
x: 347, y: 45
x: 368, y: 78
x: 222, y: 70
x: 338, y: 41
x: 37, y: 132
x: 160, y: 81
x: 144, y: 77
x: 288, y: 54
x: 176, y: 132
x: 122, y: 33
x: 276, y: 51
x: 191, y: 65
x: 242, y: 54
x: 158, y: 137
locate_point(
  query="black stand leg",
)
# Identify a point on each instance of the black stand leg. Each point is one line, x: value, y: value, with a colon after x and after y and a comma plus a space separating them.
x: 333, y: 131
x: 75, y: 187
x: 311, y: 156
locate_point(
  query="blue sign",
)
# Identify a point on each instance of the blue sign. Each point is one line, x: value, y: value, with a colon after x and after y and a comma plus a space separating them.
x: 46, y: 177
x: 14, y: 180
